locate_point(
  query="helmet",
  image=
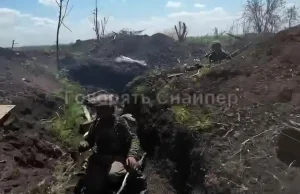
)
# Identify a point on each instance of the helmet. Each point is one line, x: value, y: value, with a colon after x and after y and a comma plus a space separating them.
x: 101, y: 98
x: 216, y: 45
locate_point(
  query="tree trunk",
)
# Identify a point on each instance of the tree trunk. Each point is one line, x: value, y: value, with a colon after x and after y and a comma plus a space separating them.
x: 57, y: 33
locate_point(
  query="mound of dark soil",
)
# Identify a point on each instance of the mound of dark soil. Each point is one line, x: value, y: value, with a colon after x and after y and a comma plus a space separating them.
x: 100, y: 69
x: 9, y: 54
x: 250, y: 146
x: 156, y: 50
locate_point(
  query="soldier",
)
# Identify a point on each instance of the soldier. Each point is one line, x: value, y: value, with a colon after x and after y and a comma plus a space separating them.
x: 217, y: 54
x: 118, y: 147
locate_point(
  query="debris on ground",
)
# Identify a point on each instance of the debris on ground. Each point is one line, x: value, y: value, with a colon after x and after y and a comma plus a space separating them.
x: 123, y: 59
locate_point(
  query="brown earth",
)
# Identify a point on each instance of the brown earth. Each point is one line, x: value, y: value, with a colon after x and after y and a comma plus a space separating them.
x: 27, y: 150
x: 238, y: 155
x: 252, y: 146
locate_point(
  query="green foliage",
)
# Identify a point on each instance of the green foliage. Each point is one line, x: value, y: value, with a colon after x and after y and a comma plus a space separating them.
x: 192, y: 117
x: 201, y: 73
x: 208, y: 39
x: 65, y: 125
x: 204, y: 71
x: 140, y: 89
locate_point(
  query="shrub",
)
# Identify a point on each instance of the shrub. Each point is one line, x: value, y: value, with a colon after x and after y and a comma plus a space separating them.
x: 66, y: 124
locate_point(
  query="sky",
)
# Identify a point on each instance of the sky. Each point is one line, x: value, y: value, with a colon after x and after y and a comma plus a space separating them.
x: 33, y: 22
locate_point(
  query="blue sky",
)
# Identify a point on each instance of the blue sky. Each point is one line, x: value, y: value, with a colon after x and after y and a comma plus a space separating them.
x: 118, y: 8
x: 34, y: 21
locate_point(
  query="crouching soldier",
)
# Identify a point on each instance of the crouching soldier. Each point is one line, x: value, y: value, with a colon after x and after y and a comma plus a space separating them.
x: 117, y: 145
x: 217, y: 54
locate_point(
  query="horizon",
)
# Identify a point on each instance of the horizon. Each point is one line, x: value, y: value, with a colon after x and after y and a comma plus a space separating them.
x: 34, y: 23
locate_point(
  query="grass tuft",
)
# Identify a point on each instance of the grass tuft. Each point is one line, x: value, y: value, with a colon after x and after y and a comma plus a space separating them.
x: 192, y: 117
x: 66, y: 124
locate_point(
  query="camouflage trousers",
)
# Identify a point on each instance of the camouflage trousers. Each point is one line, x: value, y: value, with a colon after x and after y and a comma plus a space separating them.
x: 101, y: 169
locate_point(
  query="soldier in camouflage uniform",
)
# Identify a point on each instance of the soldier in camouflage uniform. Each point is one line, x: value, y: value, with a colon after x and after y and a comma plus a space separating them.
x: 118, y: 147
x: 217, y: 54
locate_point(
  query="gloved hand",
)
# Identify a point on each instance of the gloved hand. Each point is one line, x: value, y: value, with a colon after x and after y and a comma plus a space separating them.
x: 83, y: 146
x: 131, y: 163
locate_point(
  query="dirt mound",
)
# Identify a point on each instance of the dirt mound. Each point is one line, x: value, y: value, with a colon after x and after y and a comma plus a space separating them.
x: 99, y: 68
x: 249, y: 146
x: 266, y: 81
x: 27, y: 152
x: 156, y: 50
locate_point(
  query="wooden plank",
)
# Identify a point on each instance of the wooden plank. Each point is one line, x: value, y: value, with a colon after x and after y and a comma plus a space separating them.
x: 4, y: 112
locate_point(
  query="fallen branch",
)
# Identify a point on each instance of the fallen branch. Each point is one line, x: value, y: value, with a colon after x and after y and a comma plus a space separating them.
x: 253, y: 137
x: 175, y: 75
x: 196, y: 73
x: 228, y: 132
x: 241, y: 186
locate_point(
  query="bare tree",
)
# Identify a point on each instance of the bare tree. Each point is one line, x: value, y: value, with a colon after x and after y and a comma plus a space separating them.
x: 103, y: 26
x: 292, y: 15
x: 181, y: 31
x: 63, y: 13
x: 99, y: 28
x: 96, y: 27
x: 13, y: 44
x: 216, y: 32
x: 264, y: 15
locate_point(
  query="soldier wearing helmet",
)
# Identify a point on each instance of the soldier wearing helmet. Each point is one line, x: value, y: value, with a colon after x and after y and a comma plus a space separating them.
x: 217, y: 54
x: 118, y: 147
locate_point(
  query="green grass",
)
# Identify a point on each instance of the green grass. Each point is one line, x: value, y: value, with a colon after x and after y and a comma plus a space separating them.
x: 208, y: 39
x: 194, y: 118
x: 66, y: 124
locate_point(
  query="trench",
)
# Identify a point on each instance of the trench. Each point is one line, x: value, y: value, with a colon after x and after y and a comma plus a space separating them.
x: 166, y: 142
x: 101, y: 77
x: 287, y: 147
x: 100, y: 74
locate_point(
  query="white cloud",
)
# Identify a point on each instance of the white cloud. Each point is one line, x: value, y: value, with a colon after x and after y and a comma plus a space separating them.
x: 199, y: 5
x: 173, y: 4
x: 48, y: 2
x: 27, y: 29
x: 38, y: 21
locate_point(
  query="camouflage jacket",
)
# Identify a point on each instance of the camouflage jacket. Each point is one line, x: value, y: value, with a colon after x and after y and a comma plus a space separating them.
x: 114, y: 137
x: 218, y: 56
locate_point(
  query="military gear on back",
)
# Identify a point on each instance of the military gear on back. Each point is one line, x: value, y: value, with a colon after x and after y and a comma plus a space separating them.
x: 114, y: 137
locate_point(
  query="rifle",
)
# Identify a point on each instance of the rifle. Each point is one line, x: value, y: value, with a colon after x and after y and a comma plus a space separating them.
x: 233, y: 54
x: 206, y: 55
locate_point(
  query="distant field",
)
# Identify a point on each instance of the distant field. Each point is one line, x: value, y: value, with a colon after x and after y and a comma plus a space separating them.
x: 204, y: 40
x: 208, y: 39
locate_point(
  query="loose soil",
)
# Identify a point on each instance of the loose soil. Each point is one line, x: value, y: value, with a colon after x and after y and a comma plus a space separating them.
x: 251, y: 146
x: 28, y: 152
x: 249, y: 149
